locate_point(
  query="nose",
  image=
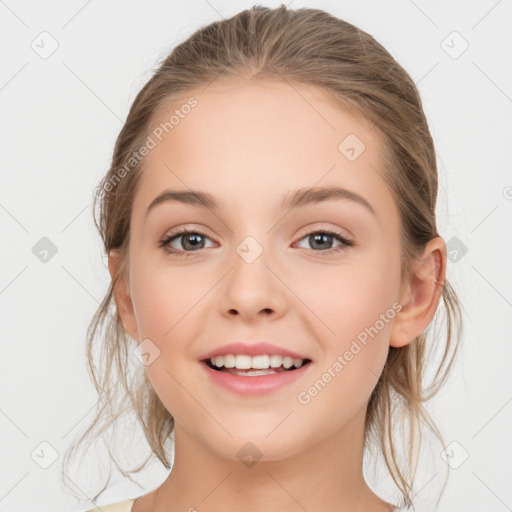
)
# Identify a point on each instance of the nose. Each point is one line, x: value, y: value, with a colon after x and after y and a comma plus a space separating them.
x: 252, y: 290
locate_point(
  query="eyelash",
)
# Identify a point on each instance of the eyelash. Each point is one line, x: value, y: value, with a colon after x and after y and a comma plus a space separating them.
x: 164, y: 243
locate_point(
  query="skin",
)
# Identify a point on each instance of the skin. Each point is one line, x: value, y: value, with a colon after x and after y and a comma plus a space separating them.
x: 249, y: 143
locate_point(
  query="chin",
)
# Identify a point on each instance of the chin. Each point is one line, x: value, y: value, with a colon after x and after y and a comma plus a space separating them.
x: 251, y: 448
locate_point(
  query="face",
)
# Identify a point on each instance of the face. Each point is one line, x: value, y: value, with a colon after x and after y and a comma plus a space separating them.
x: 321, y: 279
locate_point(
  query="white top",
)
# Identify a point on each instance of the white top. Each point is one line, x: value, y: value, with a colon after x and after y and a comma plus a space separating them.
x: 120, y: 506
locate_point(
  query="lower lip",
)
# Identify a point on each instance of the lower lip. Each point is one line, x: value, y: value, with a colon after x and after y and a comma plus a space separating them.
x: 258, y: 385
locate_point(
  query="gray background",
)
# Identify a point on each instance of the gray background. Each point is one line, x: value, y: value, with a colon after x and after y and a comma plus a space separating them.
x: 59, y: 117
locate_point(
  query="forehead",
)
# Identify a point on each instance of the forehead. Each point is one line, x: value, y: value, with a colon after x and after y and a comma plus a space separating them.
x: 250, y: 140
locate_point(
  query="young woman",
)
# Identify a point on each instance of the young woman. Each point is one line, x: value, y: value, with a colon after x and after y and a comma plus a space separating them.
x: 269, y: 221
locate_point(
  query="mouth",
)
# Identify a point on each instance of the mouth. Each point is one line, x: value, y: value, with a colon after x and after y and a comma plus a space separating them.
x: 246, y: 366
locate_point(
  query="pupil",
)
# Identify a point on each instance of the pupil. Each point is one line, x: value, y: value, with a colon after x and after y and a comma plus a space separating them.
x: 318, y: 237
x: 192, y: 237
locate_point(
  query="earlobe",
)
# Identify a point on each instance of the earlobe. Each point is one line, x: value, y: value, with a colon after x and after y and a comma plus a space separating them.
x: 122, y: 297
x: 420, y: 297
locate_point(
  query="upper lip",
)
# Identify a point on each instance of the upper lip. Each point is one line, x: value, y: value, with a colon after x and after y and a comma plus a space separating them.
x: 251, y: 349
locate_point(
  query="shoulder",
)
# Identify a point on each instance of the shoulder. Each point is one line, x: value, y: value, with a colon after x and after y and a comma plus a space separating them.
x: 121, y: 506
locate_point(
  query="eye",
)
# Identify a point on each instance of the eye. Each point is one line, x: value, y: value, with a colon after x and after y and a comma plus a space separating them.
x: 323, y: 238
x: 192, y: 241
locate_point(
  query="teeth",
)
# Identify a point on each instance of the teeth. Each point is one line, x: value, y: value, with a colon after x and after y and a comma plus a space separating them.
x: 276, y: 361
x: 262, y: 362
x: 287, y: 362
x: 243, y: 362
x: 229, y: 361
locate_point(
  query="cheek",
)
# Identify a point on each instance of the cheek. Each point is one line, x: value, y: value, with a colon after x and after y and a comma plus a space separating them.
x: 167, y: 305
x: 165, y: 299
x: 357, y: 305
x: 358, y: 308
x: 349, y: 298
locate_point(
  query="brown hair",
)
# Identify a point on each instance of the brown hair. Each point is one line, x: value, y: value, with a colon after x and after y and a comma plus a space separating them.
x: 307, y: 46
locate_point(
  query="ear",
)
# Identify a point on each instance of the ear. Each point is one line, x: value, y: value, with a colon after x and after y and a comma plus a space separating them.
x: 122, y: 296
x: 420, y: 297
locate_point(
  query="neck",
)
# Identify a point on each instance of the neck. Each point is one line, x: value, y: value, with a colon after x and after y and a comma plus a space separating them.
x: 326, y: 476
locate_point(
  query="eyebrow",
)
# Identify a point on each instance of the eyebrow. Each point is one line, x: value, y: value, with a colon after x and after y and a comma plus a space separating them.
x: 296, y: 199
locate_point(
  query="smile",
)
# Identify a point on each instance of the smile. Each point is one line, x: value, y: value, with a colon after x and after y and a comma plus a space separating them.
x: 246, y: 375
